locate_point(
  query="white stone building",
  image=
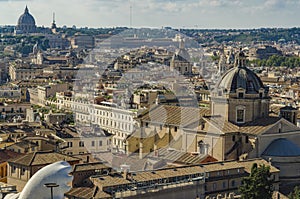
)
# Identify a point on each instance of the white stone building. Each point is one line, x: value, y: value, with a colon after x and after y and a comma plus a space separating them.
x: 116, y: 120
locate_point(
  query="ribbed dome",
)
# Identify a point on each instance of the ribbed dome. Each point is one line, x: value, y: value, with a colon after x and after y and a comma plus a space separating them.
x: 26, y: 23
x: 282, y: 148
x: 26, y: 18
x: 240, y: 77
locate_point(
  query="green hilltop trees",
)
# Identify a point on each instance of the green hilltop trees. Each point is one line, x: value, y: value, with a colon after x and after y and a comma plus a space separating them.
x: 276, y: 60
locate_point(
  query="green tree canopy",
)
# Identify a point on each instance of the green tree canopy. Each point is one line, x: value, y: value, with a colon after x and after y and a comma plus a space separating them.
x: 295, y: 194
x: 258, y: 185
x: 277, y: 60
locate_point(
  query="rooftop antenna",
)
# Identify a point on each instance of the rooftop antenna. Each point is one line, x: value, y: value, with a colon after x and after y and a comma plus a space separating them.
x: 53, y: 17
x: 130, y: 15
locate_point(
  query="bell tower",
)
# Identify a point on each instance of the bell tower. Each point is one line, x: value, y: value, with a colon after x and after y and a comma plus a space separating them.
x: 53, y: 25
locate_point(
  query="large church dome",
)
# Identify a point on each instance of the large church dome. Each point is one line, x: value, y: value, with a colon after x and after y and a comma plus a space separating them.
x: 240, y: 77
x: 26, y: 23
x: 26, y: 18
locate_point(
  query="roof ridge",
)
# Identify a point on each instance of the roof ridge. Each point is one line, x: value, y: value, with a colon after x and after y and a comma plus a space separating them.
x: 96, y: 189
x: 33, y: 157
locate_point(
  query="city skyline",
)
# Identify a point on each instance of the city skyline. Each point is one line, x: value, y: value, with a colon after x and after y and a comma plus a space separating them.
x: 157, y: 13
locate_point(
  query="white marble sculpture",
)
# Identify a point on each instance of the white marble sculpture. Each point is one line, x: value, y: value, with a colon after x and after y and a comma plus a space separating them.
x: 54, y: 173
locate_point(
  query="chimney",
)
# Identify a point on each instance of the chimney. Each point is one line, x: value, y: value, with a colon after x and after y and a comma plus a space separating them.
x: 125, y: 170
x: 156, y: 153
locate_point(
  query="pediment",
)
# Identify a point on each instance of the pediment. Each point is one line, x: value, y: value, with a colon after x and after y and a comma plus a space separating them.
x: 282, y: 126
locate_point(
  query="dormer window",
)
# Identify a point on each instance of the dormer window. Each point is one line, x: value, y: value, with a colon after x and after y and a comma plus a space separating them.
x: 219, y: 93
x: 241, y: 95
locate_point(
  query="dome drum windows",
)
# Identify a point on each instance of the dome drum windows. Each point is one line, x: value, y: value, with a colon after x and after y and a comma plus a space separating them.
x: 240, y: 93
x: 246, y: 139
x: 261, y: 93
x: 240, y: 114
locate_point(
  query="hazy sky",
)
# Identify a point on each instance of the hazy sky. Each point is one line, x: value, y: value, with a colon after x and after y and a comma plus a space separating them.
x: 157, y: 13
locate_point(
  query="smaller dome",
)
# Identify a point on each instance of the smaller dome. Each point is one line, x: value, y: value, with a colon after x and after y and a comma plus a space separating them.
x: 240, y: 77
x: 282, y: 148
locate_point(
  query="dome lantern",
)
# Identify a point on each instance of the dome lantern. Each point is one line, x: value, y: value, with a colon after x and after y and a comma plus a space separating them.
x: 240, y: 60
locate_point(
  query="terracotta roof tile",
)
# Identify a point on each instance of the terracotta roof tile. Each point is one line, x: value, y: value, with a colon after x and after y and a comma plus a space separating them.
x: 42, y: 158
x: 255, y: 127
x: 7, y: 154
x: 107, y: 181
x: 81, y: 192
x: 175, y: 115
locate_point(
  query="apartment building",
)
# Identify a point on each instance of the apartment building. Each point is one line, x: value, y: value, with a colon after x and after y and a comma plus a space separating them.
x: 116, y: 120
x: 194, y: 181
x: 84, y: 140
